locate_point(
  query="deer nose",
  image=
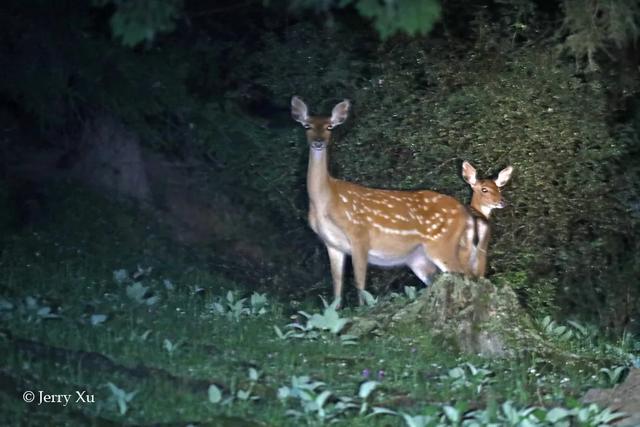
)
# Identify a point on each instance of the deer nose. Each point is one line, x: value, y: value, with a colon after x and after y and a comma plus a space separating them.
x: 318, y: 144
x: 502, y: 204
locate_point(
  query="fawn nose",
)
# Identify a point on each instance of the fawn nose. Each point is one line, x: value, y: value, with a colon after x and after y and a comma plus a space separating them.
x: 502, y: 204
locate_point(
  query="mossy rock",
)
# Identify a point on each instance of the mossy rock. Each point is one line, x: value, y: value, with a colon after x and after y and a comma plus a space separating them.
x: 475, y: 315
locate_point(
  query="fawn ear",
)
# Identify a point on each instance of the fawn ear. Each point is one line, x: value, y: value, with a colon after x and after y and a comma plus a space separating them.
x: 340, y: 112
x: 504, y: 176
x: 299, y: 111
x: 469, y: 173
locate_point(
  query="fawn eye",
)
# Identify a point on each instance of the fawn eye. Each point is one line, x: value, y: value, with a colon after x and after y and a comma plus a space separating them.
x: 484, y: 189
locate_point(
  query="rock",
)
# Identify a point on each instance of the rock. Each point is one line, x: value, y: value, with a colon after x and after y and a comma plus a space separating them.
x: 475, y: 315
x: 624, y: 397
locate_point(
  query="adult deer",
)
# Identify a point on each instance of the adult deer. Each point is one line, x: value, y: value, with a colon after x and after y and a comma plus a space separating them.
x: 486, y: 197
x: 419, y: 229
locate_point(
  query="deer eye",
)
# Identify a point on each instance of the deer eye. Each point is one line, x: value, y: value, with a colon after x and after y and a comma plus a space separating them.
x: 484, y: 189
x: 329, y: 127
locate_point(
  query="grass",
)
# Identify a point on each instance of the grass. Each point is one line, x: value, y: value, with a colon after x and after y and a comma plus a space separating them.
x: 72, y: 320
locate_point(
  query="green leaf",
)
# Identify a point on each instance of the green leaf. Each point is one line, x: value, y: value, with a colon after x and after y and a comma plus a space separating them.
x: 557, y: 414
x: 368, y: 298
x: 382, y: 411
x: 322, y: 398
x: 253, y: 374
x: 120, y: 276
x: 366, y: 388
x: 136, y: 292
x: 451, y: 413
x: 215, y: 395
x: 97, y: 319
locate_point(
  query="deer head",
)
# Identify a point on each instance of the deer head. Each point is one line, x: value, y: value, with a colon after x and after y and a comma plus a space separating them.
x: 486, y: 192
x: 318, y: 129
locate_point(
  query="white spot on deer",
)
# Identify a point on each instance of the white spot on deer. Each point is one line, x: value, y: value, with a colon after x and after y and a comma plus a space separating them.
x: 344, y: 199
x: 411, y: 232
x: 449, y: 221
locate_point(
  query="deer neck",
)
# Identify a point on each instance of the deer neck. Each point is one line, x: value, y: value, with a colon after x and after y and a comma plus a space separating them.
x: 318, y: 178
x: 478, y: 207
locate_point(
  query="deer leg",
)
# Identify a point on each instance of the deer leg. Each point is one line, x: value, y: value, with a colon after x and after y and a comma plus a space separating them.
x: 481, y: 249
x: 423, y: 268
x: 336, y: 259
x: 359, y: 259
x: 467, y: 251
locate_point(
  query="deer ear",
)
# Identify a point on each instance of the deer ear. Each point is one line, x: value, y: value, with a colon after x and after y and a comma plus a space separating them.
x: 504, y: 176
x: 299, y: 110
x: 340, y: 112
x: 469, y: 173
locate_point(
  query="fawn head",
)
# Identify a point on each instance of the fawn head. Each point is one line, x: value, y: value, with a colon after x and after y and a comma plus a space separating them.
x: 319, y: 128
x: 486, y: 192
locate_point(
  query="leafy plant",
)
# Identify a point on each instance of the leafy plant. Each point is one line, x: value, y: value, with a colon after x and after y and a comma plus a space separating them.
x: 613, y: 375
x: 169, y: 346
x: 467, y: 375
x: 214, y: 394
x: 97, y: 319
x: 552, y: 329
x: 329, y: 320
x: 121, y: 397
x: 410, y: 292
x: 41, y: 312
x: 368, y: 298
x: 233, y: 308
x: 319, y: 403
x: 140, y: 294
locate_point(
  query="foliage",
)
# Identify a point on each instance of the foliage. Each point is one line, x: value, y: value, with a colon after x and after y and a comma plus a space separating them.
x: 319, y: 403
x: 121, y: 397
x: 227, y: 372
x: 138, y: 21
x: 233, y: 308
x: 329, y: 321
x: 390, y: 17
x: 569, y: 238
x: 507, y: 414
x: 522, y: 111
x: 593, y: 27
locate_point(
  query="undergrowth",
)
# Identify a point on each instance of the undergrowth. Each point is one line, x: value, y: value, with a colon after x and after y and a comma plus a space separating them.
x: 100, y: 304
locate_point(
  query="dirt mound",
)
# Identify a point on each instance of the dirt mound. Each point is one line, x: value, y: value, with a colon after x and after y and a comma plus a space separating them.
x: 476, y: 316
x: 624, y: 397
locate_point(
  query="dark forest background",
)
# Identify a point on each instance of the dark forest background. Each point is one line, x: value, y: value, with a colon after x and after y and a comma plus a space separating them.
x: 183, y: 107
